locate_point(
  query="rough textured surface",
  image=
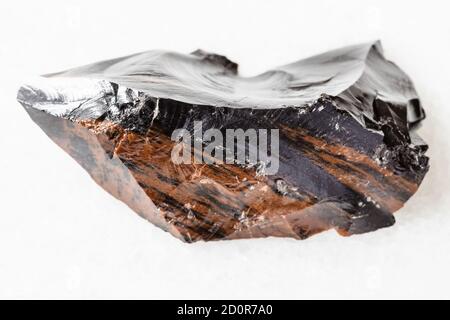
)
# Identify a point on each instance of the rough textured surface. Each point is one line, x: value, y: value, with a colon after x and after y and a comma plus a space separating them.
x: 349, y: 153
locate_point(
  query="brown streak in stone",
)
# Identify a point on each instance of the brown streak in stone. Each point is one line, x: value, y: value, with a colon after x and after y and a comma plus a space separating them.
x: 229, y: 185
x: 355, y: 178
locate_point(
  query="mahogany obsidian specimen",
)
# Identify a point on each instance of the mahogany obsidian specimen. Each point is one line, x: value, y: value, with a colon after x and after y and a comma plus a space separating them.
x: 347, y: 119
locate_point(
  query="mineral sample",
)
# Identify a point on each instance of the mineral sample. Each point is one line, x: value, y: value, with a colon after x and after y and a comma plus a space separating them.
x: 205, y: 154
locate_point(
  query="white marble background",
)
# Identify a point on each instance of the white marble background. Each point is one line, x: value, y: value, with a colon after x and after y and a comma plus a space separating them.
x: 61, y: 236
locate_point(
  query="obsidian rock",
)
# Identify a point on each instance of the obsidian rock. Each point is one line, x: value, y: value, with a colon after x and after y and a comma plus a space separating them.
x: 349, y: 154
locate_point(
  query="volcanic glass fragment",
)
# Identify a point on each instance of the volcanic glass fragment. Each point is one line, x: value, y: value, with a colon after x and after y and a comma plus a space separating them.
x: 325, y: 142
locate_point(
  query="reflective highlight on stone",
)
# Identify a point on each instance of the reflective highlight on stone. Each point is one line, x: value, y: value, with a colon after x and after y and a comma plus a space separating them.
x: 347, y: 119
